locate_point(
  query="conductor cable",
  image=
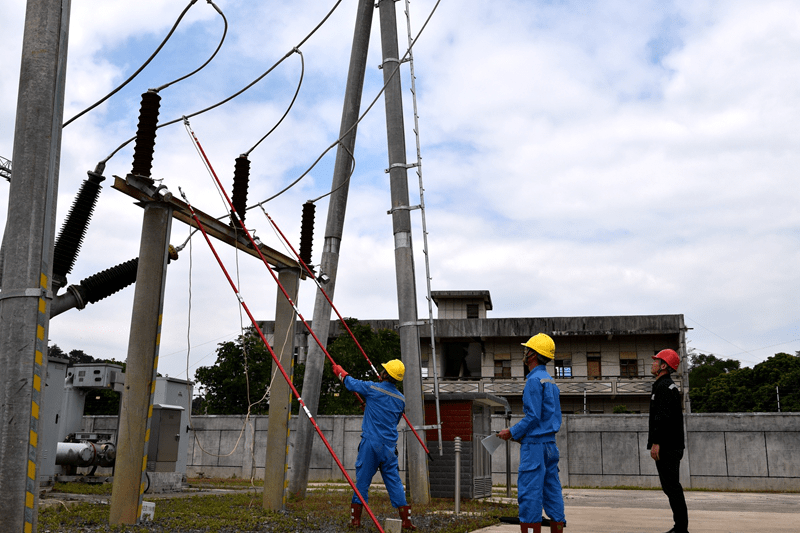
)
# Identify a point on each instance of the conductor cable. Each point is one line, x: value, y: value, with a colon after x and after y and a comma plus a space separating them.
x: 234, y: 95
x: 360, y: 118
x: 152, y: 56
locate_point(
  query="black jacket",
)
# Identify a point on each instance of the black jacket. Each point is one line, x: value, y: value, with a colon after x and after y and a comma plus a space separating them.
x: 666, y: 416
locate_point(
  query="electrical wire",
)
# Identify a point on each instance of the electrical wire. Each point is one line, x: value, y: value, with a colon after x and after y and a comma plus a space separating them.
x: 360, y: 118
x: 201, y: 67
x: 291, y: 104
x: 234, y: 95
x: 153, y: 55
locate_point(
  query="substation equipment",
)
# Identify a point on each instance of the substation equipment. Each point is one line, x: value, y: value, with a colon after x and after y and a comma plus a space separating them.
x: 67, y: 445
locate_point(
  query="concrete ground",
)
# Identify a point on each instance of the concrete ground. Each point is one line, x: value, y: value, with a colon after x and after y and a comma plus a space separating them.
x: 647, y: 511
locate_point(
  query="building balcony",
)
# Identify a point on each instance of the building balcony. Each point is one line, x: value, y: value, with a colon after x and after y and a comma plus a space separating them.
x: 573, y: 386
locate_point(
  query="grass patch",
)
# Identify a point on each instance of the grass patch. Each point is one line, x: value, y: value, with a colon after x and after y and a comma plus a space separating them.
x: 326, y: 509
x: 83, y: 488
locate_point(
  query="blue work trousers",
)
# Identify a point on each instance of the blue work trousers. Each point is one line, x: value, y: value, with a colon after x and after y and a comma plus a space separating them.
x: 538, y: 485
x: 373, y: 456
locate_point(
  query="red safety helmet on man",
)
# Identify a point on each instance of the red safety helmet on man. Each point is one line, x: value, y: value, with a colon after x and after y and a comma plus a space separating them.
x: 670, y: 357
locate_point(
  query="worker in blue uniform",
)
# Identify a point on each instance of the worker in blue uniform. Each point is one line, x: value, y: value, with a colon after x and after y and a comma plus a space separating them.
x: 378, y: 447
x: 538, y: 485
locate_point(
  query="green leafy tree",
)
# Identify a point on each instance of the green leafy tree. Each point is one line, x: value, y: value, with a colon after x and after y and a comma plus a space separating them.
x: 381, y: 346
x: 702, y: 369
x: 753, y: 390
x: 240, y: 378
x: 705, y: 367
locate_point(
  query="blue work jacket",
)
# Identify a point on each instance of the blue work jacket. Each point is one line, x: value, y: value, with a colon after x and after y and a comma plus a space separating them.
x: 542, y: 408
x: 385, y: 406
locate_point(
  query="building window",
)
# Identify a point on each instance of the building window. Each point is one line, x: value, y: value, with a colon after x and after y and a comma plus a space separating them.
x: 472, y: 310
x: 563, y: 365
x: 593, y: 367
x: 502, y: 369
x: 628, y: 365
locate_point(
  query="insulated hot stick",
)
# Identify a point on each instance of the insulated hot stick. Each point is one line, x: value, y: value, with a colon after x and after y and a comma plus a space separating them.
x: 341, y: 319
x: 235, y: 217
x: 280, y: 286
x: 277, y: 361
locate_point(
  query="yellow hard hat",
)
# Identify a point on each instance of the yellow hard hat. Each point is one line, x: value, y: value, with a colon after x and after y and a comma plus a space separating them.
x: 542, y: 344
x: 395, y: 368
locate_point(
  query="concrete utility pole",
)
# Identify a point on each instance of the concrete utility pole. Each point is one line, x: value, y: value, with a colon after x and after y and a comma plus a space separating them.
x: 403, y: 251
x: 28, y: 256
x: 140, y: 373
x: 315, y: 361
x: 280, y: 396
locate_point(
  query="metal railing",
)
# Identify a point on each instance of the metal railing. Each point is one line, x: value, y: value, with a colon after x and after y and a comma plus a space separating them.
x: 607, y: 385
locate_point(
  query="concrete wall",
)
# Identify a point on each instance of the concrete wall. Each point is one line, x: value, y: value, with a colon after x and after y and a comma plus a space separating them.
x: 724, y: 451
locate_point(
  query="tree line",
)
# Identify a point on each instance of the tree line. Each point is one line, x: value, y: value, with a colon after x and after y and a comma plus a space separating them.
x: 722, y: 386
x: 240, y: 380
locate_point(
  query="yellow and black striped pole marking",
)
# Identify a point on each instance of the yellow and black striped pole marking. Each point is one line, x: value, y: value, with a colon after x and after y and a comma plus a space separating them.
x: 31, y: 483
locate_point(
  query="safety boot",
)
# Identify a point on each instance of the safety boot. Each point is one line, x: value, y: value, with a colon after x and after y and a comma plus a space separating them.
x: 536, y: 527
x: 355, y: 514
x: 556, y: 527
x: 405, y: 516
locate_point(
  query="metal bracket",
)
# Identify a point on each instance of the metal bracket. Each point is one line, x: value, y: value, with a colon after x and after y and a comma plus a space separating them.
x: 392, y: 60
x: 403, y: 208
x: 407, y: 324
x: 26, y: 293
x: 400, y: 165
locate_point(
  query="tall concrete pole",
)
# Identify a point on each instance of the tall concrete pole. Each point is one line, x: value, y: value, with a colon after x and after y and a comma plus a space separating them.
x: 315, y: 360
x: 280, y: 396
x: 140, y: 372
x: 403, y: 251
x: 28, y: 256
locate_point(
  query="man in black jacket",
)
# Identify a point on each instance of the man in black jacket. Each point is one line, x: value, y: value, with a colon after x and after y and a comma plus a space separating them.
x: 665, y: 439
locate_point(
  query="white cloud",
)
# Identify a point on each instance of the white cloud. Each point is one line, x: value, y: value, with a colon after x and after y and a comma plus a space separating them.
x: 579, y: 159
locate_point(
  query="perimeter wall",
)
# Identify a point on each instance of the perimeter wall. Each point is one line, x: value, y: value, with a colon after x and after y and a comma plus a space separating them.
x: 741, y: 451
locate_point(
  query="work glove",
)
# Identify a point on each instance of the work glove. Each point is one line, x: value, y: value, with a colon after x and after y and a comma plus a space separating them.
x: 339, y: 372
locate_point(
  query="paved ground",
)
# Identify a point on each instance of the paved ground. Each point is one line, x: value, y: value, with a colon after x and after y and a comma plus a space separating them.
x: 647, y: 511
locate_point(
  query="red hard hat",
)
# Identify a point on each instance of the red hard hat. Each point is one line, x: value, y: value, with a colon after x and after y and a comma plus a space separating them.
x: 670, y: 357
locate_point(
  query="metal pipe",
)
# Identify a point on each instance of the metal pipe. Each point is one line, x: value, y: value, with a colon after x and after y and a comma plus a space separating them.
x: 85, y: 454
x: 457, y: 446
x: 508, y: 457
x: 75, y: 454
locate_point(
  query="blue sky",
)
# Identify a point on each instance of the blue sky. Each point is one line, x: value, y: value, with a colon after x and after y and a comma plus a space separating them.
x: 580, y: 159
